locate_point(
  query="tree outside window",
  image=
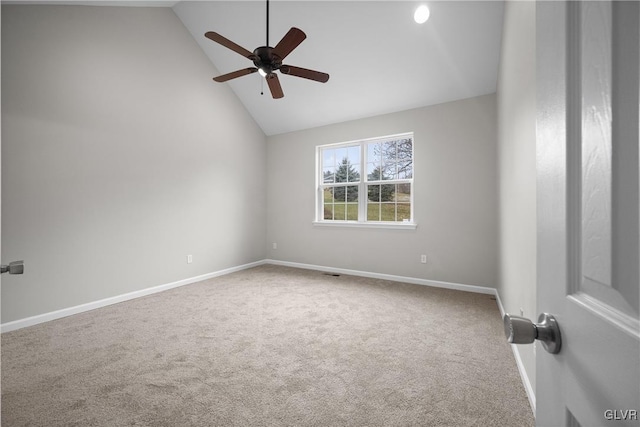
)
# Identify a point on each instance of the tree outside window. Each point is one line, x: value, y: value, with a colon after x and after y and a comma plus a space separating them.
x: 387, y: 184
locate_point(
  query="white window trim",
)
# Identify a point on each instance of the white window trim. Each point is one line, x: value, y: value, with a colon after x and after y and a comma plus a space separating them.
x: 367, y: 224
x: 363, y: 143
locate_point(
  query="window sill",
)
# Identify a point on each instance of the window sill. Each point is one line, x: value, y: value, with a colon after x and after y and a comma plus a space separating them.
x: 355, y: 224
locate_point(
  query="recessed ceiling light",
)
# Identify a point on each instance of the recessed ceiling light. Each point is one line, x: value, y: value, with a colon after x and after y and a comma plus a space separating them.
x: 421, y: 14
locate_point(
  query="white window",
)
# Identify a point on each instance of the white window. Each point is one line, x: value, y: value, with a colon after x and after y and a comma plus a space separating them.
x: 366, y: 182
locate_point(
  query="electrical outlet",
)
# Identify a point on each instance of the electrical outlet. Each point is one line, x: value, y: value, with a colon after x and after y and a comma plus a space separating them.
x: 275, y: 245
x: 189, y: 259
x: 423, y: 259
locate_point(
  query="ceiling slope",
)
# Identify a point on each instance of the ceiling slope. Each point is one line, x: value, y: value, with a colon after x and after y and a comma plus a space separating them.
x: 379, y: 59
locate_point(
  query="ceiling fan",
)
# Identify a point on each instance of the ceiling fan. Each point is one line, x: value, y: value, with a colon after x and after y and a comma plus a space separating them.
x: 267, y: 59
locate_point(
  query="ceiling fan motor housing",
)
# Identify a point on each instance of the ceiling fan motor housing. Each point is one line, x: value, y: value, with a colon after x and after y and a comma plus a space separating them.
x: 265, y: 59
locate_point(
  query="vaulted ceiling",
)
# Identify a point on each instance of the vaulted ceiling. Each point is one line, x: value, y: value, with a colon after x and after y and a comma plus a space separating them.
x: 379, y: 59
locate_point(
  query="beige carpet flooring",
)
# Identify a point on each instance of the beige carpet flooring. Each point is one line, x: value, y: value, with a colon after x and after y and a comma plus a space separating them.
x: 270, y: 346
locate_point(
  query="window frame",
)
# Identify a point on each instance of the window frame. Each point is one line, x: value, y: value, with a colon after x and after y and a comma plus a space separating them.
x: 362, y: 221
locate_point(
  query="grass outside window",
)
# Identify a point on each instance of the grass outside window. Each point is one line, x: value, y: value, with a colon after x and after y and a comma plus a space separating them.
x: 366, y: 181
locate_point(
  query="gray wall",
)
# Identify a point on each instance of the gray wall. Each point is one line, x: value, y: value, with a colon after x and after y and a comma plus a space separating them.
x: 455, y: 197
x: 517, y: 164
x: 120, y: 156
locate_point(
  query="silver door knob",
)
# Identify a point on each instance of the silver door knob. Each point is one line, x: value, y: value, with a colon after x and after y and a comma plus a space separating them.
x: 520, y: 330
x: 15, y: 267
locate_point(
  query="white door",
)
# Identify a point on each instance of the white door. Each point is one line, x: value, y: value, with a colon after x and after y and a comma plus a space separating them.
x: 588, y: 211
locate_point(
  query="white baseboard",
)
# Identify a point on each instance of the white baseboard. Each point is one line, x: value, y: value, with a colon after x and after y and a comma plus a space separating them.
x: 46, y: 317
x: 523, y: 374
x: 394, y: 278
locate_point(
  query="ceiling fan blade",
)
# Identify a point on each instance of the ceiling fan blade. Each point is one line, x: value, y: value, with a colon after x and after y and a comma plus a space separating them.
x: 304, y: 73
x: 274, y: 86
x: 290, y: 41
x: 235, y: 74
x: 211, y: 35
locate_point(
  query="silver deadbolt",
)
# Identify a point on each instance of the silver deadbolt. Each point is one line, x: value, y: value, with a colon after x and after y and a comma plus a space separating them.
x: 15, y: 267
x: 520, y: 330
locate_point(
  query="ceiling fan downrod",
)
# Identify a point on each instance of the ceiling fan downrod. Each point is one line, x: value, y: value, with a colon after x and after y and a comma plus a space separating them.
x: 267, y: 23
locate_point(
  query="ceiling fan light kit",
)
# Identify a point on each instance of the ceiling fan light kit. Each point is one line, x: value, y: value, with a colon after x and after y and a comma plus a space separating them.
x: 267, y: 59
